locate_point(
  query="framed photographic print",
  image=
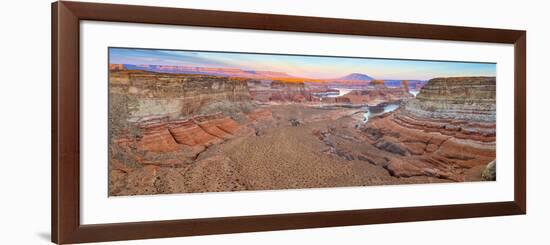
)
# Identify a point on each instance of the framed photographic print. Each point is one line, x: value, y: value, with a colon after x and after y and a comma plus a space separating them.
x: 177, y: 122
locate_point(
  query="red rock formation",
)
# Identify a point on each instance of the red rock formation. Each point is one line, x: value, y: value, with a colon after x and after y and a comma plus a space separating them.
x: 338, y: 100
x: 405, y: 85
x: 187, y: 138
x: 260, y: 115
x: 445, y: 132
x: 280, y: 91
x: 164, y: 135
x: 218, y: 125
x: 479, y: 131
x: 377, y: 83
x: 159, y: 93
x: 164, y: 142
x: 377, y: 95
x: 293, y: 92
x: 116, y: 67
x: 157, y: 138
x: 416, y: 151
x: 189, y: 133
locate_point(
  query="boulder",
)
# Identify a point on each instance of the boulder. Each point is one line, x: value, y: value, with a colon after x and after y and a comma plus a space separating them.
x: 490, y: 171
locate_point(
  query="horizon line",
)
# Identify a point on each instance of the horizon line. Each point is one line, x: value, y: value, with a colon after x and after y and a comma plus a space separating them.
x: 301, y: 65
x: 291, y: 76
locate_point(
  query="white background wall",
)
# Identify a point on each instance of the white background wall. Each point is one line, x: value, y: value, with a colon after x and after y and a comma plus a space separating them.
x: 25, y: 121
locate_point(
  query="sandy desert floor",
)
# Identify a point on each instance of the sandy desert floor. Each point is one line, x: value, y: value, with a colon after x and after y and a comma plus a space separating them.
x: 277, y: 154
x: 286, y: 156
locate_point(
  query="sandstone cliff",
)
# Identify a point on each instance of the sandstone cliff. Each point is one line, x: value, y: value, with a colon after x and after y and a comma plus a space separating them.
x: 378, y: 93
x: 464, y: 98
x: 280, y: 91
x: 176, y: 95
x: 197, y: 133
x: 167, y: 120
x: 447, y: 131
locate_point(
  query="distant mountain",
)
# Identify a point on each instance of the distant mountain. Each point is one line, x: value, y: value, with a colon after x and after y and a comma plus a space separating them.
x: 228, y: 72
x: 357, y: 77
x: 352, y: 80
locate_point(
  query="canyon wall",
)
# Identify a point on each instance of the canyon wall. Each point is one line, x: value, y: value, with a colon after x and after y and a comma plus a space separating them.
x: 379, y: 93
x: 464, y: 98
x: 176, y: 95
x: 279, y: 91
x: 447, y: 131
x: 161, y: 121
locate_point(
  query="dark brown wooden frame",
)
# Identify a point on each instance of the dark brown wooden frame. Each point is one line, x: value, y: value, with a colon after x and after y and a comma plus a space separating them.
x: 65, y: 177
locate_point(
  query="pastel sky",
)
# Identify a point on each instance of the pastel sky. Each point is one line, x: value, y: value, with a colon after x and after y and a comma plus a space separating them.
x: 304, y: 66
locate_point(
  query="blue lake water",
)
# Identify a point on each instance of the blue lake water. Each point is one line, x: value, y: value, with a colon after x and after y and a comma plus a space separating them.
x: 333, y: 94
x: 374, y: 111
x: 327, y: 94
x: 370, y: 111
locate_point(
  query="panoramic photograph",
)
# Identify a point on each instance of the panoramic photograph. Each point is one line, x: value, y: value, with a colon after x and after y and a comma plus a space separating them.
x: 184, y: 121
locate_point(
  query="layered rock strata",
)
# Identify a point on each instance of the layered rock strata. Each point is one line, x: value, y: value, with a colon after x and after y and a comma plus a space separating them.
x: 178, y: 148
x: 465, y: 99
x: 377, y: 93
x: 176, y: 95
x: 196, y: 131
x: 448, y: 131
x: 279, y: 91
x: 182, y: 143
